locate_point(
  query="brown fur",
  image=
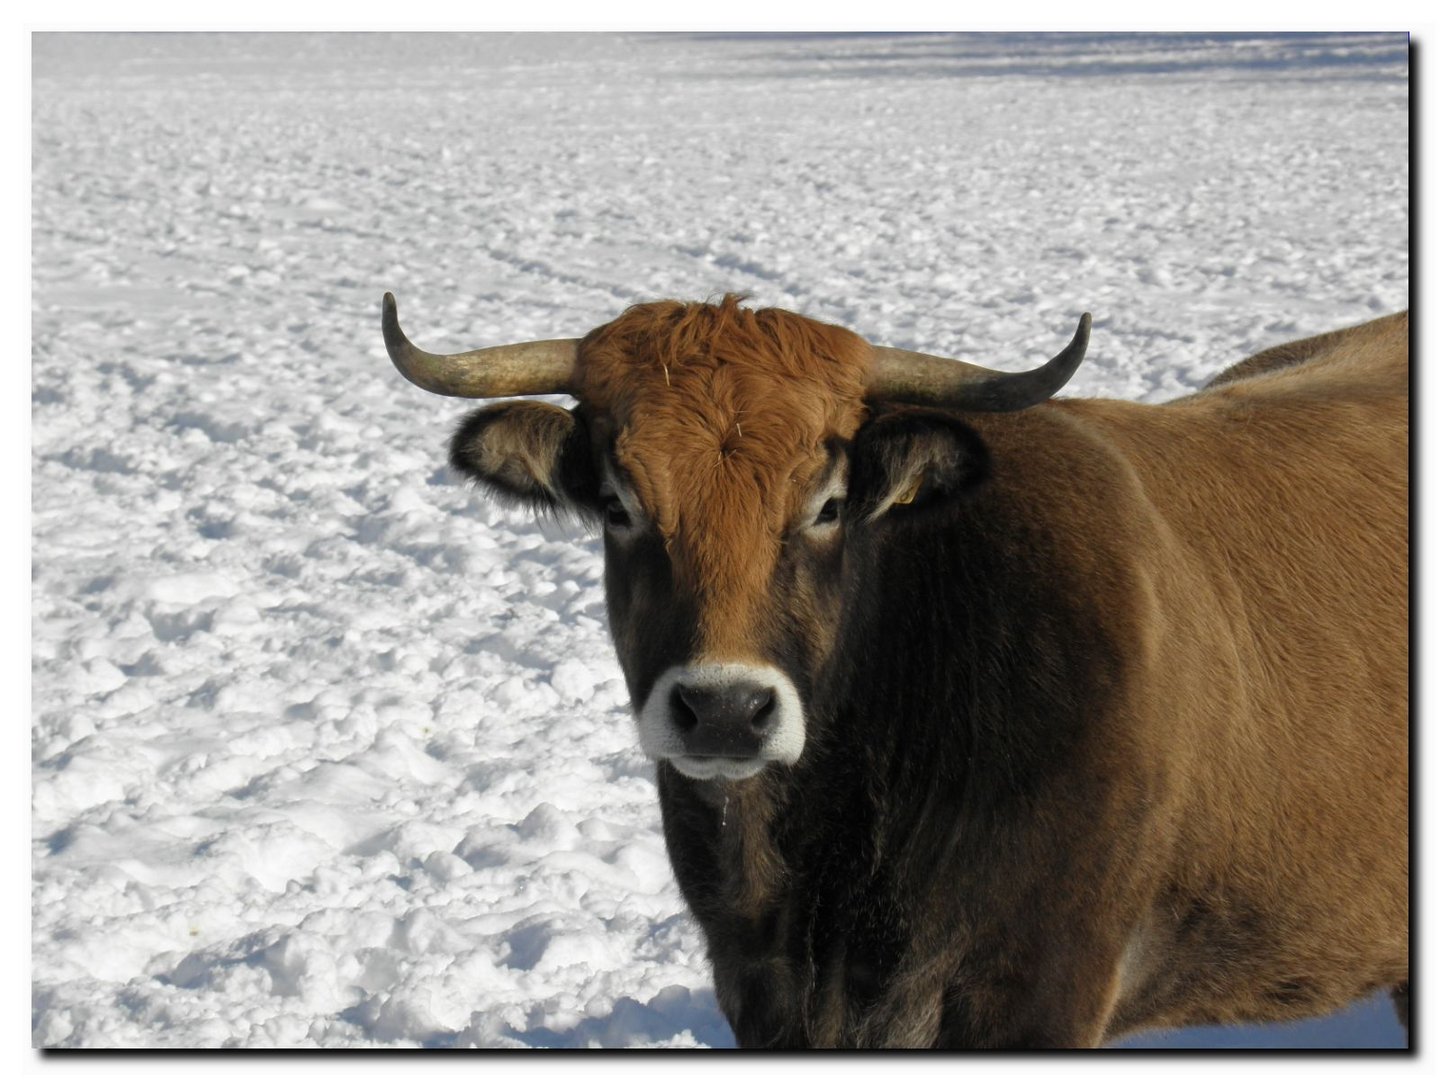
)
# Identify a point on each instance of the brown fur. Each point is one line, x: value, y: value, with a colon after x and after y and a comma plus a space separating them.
x: 1279, y: 547
x: 1266, y: 532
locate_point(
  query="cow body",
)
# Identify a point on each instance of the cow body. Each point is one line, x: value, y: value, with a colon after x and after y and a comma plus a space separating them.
x: 1102, y: 707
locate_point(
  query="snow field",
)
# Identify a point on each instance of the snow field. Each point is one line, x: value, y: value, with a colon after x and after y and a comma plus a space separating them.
x: 328, y: 751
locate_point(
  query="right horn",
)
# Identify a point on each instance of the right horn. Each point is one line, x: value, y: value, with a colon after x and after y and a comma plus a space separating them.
x: 530, y: 367
x: 921, y: 379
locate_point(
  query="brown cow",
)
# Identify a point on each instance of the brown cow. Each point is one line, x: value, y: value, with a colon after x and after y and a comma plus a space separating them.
x: 983, y: 719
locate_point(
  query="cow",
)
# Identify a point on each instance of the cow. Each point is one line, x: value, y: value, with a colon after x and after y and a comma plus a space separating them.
x: 984, y: 718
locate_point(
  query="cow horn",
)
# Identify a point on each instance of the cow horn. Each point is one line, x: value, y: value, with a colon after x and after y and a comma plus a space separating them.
x: 530, y: 367
x: 920, y: 379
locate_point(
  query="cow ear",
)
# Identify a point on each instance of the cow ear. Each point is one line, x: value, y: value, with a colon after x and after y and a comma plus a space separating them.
x: 912, y: 461
x: 529, y: 453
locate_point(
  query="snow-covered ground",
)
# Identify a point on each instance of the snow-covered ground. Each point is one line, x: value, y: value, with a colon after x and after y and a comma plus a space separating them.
x: 328, y: 751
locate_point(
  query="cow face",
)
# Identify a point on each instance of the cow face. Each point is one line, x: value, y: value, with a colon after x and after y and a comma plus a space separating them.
x: 730, y: 459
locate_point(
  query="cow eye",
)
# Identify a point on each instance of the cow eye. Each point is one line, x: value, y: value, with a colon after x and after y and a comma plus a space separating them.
x: 615, y: 514
x: 829, y: 513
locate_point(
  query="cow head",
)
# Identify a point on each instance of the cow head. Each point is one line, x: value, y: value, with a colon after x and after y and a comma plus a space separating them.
x: 729, y: 456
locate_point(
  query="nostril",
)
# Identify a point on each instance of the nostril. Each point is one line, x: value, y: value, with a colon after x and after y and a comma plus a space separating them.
x: 683, y: 716
x: 762, y: 714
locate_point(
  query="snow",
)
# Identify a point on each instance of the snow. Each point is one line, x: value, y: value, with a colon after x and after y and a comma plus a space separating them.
x: 329, y: 751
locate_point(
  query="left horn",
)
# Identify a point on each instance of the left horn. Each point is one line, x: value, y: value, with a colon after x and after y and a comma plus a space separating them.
x: 920, y: 379
x: 530, y: 367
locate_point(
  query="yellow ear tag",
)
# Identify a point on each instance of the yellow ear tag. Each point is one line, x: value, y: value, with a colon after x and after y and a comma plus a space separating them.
x: 910, y: 492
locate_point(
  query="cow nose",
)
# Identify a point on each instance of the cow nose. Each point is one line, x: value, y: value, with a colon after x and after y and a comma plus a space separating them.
x: 723, y: 721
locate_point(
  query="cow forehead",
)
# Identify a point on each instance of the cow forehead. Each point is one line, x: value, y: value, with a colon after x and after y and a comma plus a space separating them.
x: 715, y: 409
x: 703, y: 457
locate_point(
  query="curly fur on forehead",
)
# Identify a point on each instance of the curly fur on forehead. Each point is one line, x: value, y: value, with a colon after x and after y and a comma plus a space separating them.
x: 651, y: 344
x: 720, y: 417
